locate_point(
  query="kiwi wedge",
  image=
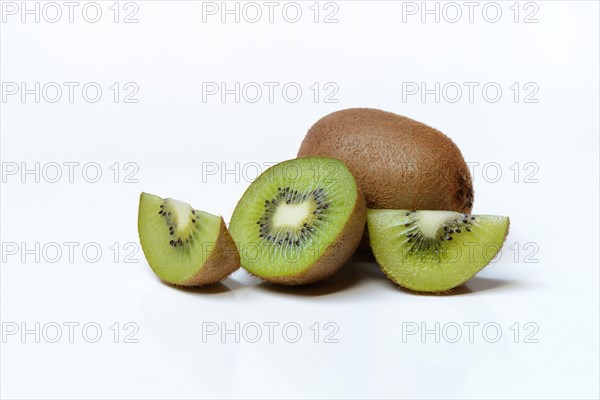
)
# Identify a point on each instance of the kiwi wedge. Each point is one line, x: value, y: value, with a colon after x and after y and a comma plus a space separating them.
x: 299, y: 221
x: 434, y: 251
x: 185, y: 246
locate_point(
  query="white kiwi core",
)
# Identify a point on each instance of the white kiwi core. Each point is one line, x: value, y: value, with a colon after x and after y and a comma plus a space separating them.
x: 182, y: 211
x: 430, y: 222
x: 292, y: 215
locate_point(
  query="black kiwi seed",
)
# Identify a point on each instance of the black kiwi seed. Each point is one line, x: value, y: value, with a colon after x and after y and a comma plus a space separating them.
x: 457, y: 230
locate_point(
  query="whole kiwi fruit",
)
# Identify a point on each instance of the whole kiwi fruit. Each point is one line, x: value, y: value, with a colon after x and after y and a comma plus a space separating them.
x: 399, y: 163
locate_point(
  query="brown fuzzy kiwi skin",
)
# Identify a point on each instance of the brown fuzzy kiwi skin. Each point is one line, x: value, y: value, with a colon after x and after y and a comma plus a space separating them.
x: 223, y: 260
x: 399, y: 163
x: 447, y: 291
x: 337, y: 253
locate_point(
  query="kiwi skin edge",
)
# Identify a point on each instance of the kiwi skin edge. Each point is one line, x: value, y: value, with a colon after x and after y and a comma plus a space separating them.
x: 223, y: 260
x: 338, y: 252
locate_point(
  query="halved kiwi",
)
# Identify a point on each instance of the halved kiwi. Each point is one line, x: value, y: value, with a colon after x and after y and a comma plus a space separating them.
x: 185, y: 246
x: 434, y: 251
x: 299, y: 221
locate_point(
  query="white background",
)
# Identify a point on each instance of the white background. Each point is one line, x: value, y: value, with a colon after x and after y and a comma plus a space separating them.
x: 547, y: 274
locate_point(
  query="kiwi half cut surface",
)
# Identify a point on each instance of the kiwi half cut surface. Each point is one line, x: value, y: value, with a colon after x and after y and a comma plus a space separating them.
x: 434, y: 251
x: 185, y: 246
x: 299, y: 221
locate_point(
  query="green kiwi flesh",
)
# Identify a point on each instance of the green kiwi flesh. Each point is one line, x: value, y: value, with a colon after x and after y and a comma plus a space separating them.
x: 434, y: 251
x: 299, y: 221
x: 184, y: 246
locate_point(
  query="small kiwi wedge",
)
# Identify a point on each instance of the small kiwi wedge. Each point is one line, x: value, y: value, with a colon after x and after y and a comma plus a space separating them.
x: 398, y: 162
x: 184, y: 246
x: 434, y: 251
x: 299, y: 221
